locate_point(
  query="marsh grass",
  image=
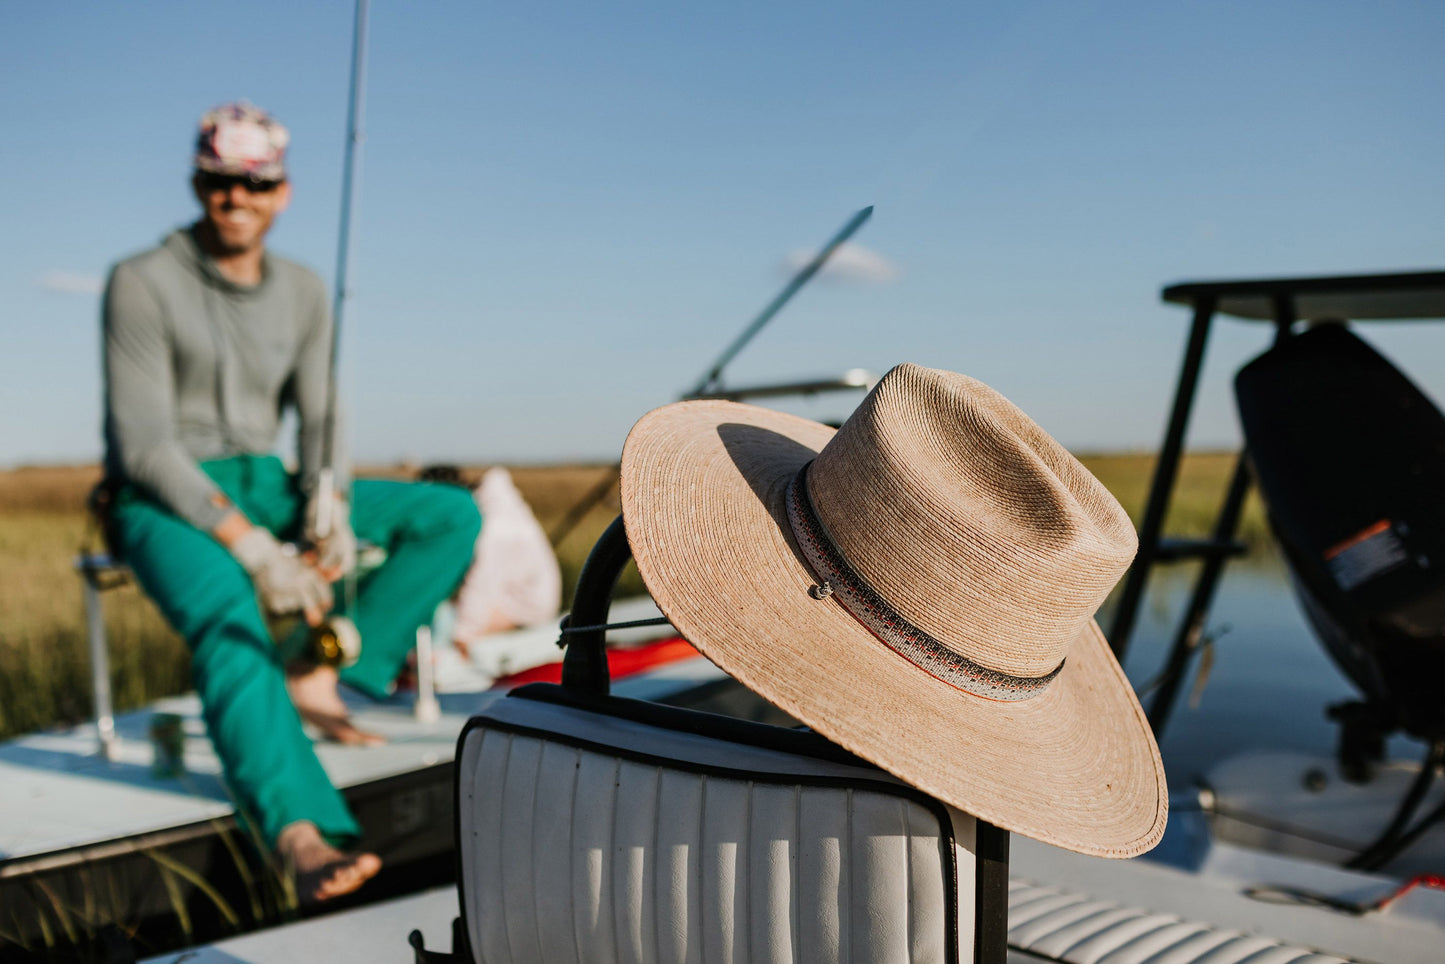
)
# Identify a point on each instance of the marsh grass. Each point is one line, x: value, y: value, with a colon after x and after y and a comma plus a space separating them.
x: 44, y: 661
x: 44, y: 666
x: 1198, y: 494
x: 153, y: 900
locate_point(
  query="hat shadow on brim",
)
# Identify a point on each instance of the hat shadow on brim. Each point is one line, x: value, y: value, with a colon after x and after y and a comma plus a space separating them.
x: 738, y: 440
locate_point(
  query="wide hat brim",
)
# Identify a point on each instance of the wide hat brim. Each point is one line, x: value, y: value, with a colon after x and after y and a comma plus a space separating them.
x: 703, y: 486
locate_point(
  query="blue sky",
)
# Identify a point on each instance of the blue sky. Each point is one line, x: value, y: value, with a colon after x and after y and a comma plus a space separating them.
x: 567, y: 210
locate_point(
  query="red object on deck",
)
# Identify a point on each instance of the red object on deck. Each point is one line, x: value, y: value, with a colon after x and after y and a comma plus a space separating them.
x: 620, y: 662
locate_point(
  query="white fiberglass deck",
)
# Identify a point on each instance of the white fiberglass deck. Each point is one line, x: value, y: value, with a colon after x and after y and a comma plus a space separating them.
x: 1062, y: 907
x: 57, y: 794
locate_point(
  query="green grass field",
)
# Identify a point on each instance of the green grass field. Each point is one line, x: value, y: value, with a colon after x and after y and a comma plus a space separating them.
x: 44, y: 669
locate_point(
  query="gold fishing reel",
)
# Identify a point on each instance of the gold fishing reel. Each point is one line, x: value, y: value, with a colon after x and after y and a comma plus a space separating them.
x: 336, y: 642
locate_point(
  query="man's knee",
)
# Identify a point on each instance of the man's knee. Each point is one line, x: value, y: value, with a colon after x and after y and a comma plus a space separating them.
x: 452, y: 511
x: 193, y: 581
x: 468, y: 516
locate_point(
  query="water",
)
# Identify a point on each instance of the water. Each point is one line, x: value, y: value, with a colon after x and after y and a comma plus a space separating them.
x: 1270, y: 681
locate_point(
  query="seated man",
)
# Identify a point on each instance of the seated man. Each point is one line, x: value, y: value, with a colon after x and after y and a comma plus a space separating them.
x: 208, y: 338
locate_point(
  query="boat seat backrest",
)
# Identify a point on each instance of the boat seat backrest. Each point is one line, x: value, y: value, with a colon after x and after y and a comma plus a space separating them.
x: 587, y: 835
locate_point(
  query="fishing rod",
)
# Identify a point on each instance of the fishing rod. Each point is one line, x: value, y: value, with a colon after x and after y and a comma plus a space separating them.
x: 326, y: 478
x: 711, y: 383
x: 712, y: 380
x: 336, y: 641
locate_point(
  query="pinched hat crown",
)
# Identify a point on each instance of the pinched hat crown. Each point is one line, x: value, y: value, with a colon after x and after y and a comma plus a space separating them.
x: 978, y: 531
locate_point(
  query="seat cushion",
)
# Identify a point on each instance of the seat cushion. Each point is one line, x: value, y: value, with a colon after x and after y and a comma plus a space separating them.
x: 589, y: 837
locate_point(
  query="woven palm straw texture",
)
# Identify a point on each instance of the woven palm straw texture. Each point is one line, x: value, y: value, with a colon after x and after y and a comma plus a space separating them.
x: 977, y: 528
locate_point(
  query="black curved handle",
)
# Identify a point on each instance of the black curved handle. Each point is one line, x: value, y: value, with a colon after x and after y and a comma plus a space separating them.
x: 584, y: 666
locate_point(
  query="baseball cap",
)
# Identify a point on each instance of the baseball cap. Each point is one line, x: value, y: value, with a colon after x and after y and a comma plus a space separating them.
x: 241, y: 139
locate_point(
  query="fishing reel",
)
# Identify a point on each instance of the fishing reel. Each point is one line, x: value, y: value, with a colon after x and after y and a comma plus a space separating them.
x: 334, y: 642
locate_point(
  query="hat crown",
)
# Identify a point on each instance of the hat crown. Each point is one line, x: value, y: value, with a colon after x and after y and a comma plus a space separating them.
x: 970, y: 520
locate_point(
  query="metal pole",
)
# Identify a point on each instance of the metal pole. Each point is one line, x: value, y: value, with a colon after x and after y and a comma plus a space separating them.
x: 326, y: 482
x: 1191, y: 629
x: 990, y: 913
x: 1165, y: 472
x: 99, y: 663
x: 427, y: 707
x: 710, y: 381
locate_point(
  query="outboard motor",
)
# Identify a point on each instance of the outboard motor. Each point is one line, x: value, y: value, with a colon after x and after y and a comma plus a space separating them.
x: 1350, y: 458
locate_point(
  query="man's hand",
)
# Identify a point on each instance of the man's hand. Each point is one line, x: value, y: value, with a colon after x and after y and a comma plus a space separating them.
x: 336, y: 551
x: 285, y: 582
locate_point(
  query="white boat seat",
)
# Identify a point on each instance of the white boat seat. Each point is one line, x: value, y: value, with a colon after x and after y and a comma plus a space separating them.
x: 599, y: 829
x: 1053, y: 924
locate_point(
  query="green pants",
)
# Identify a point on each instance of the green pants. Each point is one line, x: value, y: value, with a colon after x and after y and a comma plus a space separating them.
x: 428, y: 531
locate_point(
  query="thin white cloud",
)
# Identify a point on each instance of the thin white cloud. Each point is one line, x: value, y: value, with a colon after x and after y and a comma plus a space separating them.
x: 71, y: 283
x: 851, y: 262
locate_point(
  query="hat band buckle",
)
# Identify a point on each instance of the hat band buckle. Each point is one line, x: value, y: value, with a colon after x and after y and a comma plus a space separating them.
x: 838, y: 579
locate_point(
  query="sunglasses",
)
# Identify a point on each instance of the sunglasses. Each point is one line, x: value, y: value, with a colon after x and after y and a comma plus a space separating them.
x: 224, y: 182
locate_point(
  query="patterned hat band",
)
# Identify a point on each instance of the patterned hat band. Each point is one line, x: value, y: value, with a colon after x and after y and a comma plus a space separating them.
x: 839, y: 580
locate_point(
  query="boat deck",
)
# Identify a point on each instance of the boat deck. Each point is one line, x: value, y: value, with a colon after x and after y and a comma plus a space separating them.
x: 1151, y: 912
x: 58, y: 794
x: 88, y: 842
x: 113, y: 825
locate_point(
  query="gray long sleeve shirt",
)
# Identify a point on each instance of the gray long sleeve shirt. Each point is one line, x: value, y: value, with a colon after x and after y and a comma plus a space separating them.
x: 198, y: 367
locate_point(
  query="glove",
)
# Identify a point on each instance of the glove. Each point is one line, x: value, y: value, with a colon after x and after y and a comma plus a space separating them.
x: 336, y: 553
x: 285, y: 583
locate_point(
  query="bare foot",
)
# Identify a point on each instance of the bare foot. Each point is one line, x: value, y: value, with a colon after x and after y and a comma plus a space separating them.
x: 320, y: 871
x: 313, y: 690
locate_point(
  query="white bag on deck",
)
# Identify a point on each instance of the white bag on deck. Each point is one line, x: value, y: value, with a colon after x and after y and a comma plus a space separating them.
x: 514, y: 579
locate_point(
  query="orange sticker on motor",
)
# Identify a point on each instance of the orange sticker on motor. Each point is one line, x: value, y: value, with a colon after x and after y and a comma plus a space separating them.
x: 1367, y: 555
x: 1357, y: 538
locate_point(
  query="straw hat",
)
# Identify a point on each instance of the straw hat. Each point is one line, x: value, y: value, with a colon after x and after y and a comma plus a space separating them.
x: 917, y: 587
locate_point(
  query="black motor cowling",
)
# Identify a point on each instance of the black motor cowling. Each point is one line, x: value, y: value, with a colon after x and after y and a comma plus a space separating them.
x: 1350, y: 458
